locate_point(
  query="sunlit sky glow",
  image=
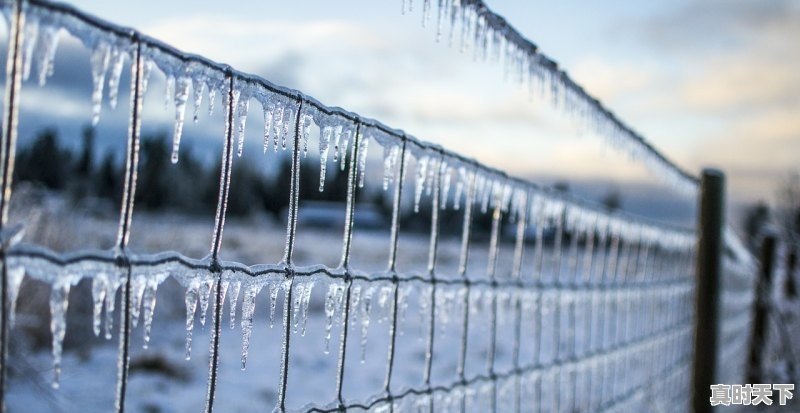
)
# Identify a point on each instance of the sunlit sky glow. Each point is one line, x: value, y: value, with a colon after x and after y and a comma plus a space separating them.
x: 714, y: 83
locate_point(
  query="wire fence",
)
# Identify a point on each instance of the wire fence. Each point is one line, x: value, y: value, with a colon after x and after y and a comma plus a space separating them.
x: 597, y: 308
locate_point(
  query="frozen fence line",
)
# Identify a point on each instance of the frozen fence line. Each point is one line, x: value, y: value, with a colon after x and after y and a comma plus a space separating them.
x: 616, y: 289
x: 474, y: 26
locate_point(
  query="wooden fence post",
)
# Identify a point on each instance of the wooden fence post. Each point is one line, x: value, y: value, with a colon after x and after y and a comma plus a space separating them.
x: 761, y: 310
x: 709, y: 250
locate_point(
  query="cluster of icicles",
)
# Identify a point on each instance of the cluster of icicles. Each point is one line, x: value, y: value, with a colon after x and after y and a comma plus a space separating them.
x: 473, y: 26
x: 457, y: 181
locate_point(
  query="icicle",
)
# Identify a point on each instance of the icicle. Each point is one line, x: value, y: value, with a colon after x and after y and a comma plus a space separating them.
x: 147, y: 69
x: 426, y: 12
x: 390, y: 155
x: 248, y: 308
x: 362, y: 161
x: 433, y: 167
x: 198, y: 87
x: 111, y: 298
x: 59, y: 301
x: 149, y: 307
x: 99, y: 288
x: 278, y: 122
x: 99, y: 61
x: 287, y: 121
x: 343, y: 150
x: 422, y: 173
x: 46, y: 46
x: 447, y: 180
x: 242, y: 105
x: 181, y: 95
x: 30, y: 36
x: 191, y: 307
x: 117, y: 60
x: 137, y: 291
x: 234, y: 297
x: 355, y: 301
x: 334, y: 296
x: 274, y: 289
x: 439, y: 15
x: 204, y: 295
x: 169, y: 92
x: 462, y: 177
x: 299, y: 292
x: 324, y: 141
x: 268, y: 112
x: 305, y: 132
x: 212, y: 93
x: 384, y: 297
x: 337, y: 135
x: 15, y: 276
x: 366, y: 309
x: 304, y: 306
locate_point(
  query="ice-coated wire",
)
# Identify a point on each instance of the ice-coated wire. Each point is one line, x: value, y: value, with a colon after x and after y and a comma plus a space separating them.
x: 464, y: 259
x: 8, y: 144
x: 216, y: 244
x: 392, y: 269
x: 433, y: 250
x: 352, y: 187
x: 530, y: 65
x: 291, y: 233
x: 126, y: 213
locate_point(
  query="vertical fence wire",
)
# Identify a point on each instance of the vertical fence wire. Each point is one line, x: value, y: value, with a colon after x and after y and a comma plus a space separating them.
x: 392, y: 268
x: 433, y: 249
x: 352, y: 187
x: 462, y: 272
x: 516, y: 273
x: 126, y: 216
x: 291, y: 234
x: 216, y: 243
x: 7, y: 154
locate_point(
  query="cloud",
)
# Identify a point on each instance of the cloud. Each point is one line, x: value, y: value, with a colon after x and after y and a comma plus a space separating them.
x: 610, y: 81
x: 698, y: 26
x: 728, y: 78
x: 258, y: 38
x: 738, y: 83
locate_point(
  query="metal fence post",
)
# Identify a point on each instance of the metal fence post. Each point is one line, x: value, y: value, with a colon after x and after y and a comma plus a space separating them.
x: 790, y: 284
x: 761, y: 309
x: 709, y: 250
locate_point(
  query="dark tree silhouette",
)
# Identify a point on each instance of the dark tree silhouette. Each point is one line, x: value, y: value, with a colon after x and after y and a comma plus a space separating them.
x: 45, y: 162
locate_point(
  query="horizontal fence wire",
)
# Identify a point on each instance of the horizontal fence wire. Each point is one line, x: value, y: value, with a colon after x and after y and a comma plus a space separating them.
x: 473, y: 25
x: 614, y: 291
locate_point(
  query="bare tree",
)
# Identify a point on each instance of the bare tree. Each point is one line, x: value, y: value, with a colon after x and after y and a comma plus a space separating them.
x: 787, y: 210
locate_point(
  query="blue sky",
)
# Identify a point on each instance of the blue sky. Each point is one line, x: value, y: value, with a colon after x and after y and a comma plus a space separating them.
x: 714, y: 83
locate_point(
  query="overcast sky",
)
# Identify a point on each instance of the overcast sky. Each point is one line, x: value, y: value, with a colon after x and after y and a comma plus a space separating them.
x: 712, y: 83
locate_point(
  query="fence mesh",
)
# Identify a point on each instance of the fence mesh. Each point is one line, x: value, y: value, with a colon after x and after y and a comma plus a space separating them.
x: 580, y: 309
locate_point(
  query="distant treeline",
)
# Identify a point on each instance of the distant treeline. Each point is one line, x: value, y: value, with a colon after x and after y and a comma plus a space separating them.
x: 191, y: 185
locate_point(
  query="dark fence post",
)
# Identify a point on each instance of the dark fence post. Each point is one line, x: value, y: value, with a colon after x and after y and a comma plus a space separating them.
x: 761, y: 310
x: 790, y: 284
x: 709, y: 253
